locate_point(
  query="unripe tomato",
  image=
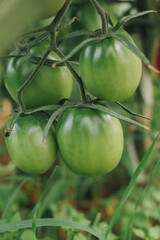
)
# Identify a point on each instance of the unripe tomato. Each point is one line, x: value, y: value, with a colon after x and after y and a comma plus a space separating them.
x: 90, y: 141
x: 109, y: 70
x: 48, y: 87
x: 24, y: 144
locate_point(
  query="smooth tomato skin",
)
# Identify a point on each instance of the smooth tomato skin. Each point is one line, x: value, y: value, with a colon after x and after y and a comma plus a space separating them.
x: 109, y: 70
x: 48, y: 87
x: 90, y: 142
x: 25, y: 147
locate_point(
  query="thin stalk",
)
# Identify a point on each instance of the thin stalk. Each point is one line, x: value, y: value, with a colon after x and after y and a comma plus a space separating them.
x: 102, y: 14
x: 51, y: 28
x: 73, y: 72
x: 55, y: 23
x: 11, y: 56
x: 29, y: 80
x: 37, y: 30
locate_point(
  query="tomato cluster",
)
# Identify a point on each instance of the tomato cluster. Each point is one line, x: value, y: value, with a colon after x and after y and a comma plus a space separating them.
x: 90, y: 142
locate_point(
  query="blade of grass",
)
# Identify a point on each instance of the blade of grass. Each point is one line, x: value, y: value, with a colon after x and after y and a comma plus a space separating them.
x: 53, y: 195
x: 131, y: 222
x: 48, y: 185
x: 48, y: 222
x: 130, y: 186
x: 34, y: 221
x: 12, y: 198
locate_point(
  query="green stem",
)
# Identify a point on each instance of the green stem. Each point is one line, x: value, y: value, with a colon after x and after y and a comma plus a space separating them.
x: 55, y: 23
x: 29, y: 80
x: 51, y: 28
x: 76, y: 76
x: 102, y: 14
x: 37, y: 30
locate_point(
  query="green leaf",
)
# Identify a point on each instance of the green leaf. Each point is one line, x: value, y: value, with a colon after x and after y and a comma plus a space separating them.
x: 125, y: 19
x: 114, y: 114
x: 48, y: 222
x: 132, y: 113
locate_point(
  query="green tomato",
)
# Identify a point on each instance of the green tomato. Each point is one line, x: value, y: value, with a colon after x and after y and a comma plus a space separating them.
x: 48, y: 87
x: 50, y: 7
x: 109, y: 70
x: 90, y: 141
x: 24, y: 144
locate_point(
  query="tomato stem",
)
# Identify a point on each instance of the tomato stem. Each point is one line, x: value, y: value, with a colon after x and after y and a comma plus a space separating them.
x: 74, y: 73
x: 102, y: 14
x: 51, y: 28
x: 55, y: 23
x: 30, y: 78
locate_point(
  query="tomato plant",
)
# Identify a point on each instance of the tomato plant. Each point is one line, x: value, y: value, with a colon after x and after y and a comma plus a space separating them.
x: 89, y: 19
x: 48, y: 87
x: 50, y: 7
x: 25, y: 146
x: 88, y: 16
x: 109, y: 70
x: 90, y: 142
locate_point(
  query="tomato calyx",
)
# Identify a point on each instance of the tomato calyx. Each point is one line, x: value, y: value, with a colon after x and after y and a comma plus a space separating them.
x: 56, y: 110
